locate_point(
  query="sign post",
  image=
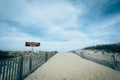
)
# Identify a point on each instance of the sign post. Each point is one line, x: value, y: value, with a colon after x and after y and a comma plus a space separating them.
x: 31, y: 44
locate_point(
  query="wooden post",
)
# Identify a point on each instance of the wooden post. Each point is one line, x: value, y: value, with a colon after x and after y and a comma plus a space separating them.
x: 0, y: 69
x: 114, y: 61
x: 46, y: 56
x: 30, y: 61
x: 13, y: 68
x: 32, y: 49
x: 30, y: 64
x: 3, y: 77
x: 21, y: 69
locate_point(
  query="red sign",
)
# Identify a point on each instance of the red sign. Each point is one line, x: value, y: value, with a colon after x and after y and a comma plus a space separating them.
x: 32, y: 44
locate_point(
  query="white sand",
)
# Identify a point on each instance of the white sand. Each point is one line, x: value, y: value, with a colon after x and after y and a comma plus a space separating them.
x: 72, y: 67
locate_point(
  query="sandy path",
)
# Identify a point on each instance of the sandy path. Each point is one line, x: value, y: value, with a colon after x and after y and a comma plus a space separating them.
x: 72, y: 67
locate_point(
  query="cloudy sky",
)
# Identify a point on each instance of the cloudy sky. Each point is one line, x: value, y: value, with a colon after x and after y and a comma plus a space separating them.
x: 61, y: 25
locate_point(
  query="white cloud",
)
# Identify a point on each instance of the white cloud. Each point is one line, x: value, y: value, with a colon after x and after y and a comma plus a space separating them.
x: 60, y: 20
x: 105, y: 28
x: 59, y: 13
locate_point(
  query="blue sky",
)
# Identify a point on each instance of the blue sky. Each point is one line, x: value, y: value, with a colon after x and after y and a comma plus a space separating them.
x: 61, y: 25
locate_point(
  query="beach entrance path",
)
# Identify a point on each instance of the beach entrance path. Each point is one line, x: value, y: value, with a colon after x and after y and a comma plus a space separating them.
x: 69, y: 66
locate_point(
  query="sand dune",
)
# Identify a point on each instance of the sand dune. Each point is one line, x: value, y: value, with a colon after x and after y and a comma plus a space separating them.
x: 72, y: 67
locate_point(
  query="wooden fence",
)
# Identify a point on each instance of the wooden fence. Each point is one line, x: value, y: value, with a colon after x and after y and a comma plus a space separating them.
x: 20, y: 67
x: 109, y: 60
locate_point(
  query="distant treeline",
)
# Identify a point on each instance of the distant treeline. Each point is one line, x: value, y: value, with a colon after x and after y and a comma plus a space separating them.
x: 11, y: 54
x: 114, y: 48
x: 5, y: 55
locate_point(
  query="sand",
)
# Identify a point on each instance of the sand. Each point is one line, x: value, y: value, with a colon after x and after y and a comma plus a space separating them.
x: 69, y: 66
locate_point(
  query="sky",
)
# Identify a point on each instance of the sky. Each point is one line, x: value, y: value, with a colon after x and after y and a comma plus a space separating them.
x: 61, y: 25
